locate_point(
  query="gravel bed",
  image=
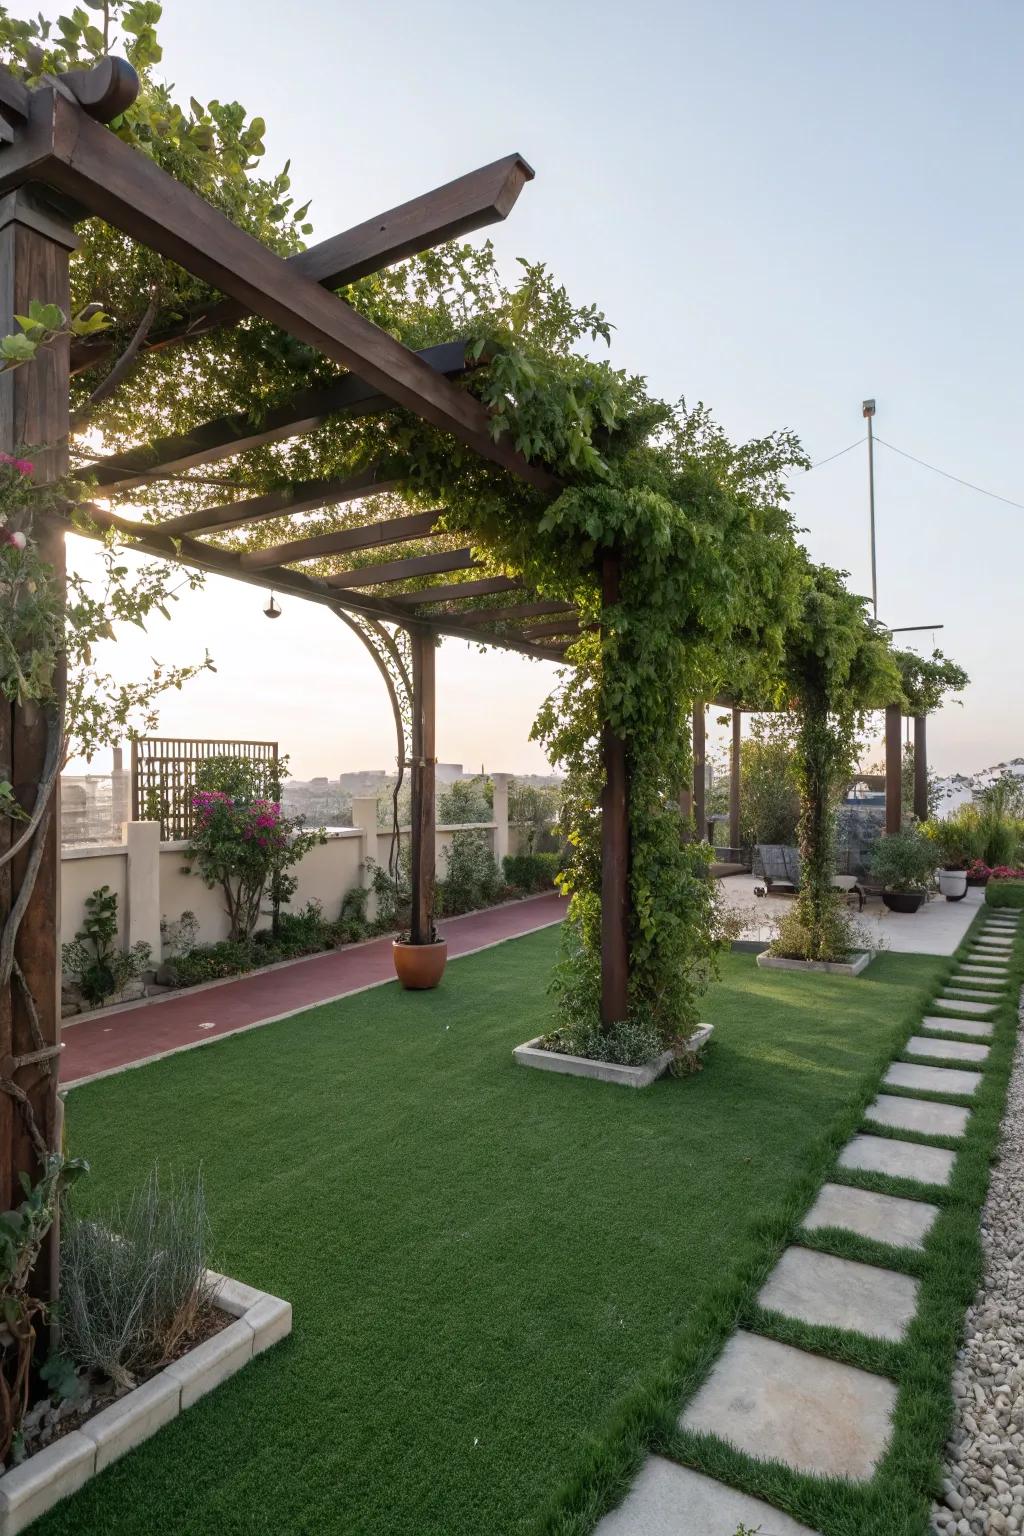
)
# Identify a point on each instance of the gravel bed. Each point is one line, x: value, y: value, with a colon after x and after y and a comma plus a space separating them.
x: 984, y: 1473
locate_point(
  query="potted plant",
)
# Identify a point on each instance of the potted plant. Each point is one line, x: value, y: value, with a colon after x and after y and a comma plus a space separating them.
x: 420, y: 963
x: 904, y: 862
x: 955, y: 849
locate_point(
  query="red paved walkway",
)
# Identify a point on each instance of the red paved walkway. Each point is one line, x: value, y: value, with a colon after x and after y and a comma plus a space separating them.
x: 184, y: 1019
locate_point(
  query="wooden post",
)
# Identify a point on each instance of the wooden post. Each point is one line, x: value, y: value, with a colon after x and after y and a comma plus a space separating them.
x: 734, y: 781
x: 35, y: 241
x: 921, y: 767
x: 893, y: 768
x: 424, y: 761
x: 700, y: 812
x: 614, y: 849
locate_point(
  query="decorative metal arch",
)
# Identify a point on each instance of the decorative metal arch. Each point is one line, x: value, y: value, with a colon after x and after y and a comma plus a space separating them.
x: 390, y: 645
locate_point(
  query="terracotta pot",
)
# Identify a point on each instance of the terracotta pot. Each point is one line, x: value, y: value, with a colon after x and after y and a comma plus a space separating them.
x: 903, y: 901
x: 420, y: 966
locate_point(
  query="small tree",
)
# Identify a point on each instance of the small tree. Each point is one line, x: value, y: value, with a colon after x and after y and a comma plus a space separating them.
x: 243, y: 843
x: 769, y: 797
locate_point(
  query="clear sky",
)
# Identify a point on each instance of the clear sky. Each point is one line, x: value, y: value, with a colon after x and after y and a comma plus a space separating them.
x: 783, y: 208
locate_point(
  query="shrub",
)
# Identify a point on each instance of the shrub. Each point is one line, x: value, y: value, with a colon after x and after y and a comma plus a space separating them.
x: 958, y: 841
x: 133, y: 1285
x: 472, y: 878
x: 1005, y: 893
x: 835, y: 938
x: 769, y: 797
x: 530, y: 871
x: 465, y: 800
x: 93, y: 958
x: 904, y: 861
x: 535, y: 809
x: 212, y: 962
x: 245, y: 846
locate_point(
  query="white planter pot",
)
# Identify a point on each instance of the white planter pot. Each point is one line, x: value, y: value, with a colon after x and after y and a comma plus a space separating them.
x: 953, y: 883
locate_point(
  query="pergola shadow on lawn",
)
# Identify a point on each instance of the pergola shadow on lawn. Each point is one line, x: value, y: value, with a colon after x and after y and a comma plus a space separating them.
x: 484, y: 1275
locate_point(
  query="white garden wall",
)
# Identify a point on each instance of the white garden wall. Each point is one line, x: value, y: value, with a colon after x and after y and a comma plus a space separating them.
x: 150, y: 881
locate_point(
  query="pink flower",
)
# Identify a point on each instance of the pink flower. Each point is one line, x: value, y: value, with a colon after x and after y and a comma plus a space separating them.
x: 23, y: 466
x: 16, y: 540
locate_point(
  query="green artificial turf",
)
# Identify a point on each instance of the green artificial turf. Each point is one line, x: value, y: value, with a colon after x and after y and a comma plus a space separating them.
x: 499, y: 1276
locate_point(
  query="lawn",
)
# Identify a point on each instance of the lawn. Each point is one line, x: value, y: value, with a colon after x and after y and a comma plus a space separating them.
x: 486, y: 1263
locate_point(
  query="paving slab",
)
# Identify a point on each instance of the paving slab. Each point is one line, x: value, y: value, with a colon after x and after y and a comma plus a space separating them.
x: 918, y: 1115
x: 899, y: 1159
x: 816, y: 1415
x: 985, y: 966
x: 906, y: 1074
x: 989, y: 942
x: 974, y: 992
x: 965, y: 1005
x: 841, y: 1293
x: 946, y: 1050
x: 670, y: 1500
x: 885, y: 1218
x: 942, y: 1024
x: 978, y: 980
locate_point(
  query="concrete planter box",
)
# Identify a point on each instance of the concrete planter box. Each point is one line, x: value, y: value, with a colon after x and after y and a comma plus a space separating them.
x: 531, y: 1054
x: 852, y: 967
x: 29, y: 1490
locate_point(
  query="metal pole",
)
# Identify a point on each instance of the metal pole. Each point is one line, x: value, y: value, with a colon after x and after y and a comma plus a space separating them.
x: 869, y: 412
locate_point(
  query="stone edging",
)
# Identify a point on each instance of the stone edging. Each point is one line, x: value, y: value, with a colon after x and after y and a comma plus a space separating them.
x: 531, y: 1054
x: 862, y: 959
x: 60, y: 1469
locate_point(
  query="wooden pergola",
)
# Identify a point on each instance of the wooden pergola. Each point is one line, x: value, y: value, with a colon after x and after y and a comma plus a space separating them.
x: 697, y: 800
x: 60, y: 165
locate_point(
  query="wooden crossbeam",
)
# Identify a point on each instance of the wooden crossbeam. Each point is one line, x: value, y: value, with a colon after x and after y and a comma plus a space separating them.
x: 402, y: 570
x: 302, y: 496
x: 448, y: 594
x: 485, y: 196
x: 239, y: 432
x: 281, y: 579
x: 513, y: 611
x: 393, y: 530
x: 568, y: 626
x: 71, y: 153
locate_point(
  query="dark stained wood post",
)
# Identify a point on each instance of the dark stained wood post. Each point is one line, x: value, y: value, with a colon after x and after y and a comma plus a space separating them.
x: 921, y: 767
x: 700, y: 811
x: 734, y: 780
x: 893, y: 768
x: 424, y: 761
x: 35, y: 242
x: 614, y: 848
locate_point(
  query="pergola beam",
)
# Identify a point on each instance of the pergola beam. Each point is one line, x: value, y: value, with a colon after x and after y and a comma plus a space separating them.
x: 484, y: 196
x: 82, y: 159
x: 301, y: 496
x: 403, y: 570
x: 450, y: 594
x: 568, y: 626
x: 513, y: 611
x: 240, y: 432
x: 392, y: 530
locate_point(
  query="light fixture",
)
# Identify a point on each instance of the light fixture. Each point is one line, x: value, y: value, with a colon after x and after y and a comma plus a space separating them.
x: 272, y: 611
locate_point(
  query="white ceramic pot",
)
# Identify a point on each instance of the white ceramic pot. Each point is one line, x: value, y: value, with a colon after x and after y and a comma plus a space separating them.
x: 953, y: 883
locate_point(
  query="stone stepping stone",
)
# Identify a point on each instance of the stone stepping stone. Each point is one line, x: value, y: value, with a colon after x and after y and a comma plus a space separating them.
x: 840, y: 1293
x: 918, y: 1115
x: 978, y: 980
x: 1005, y: 946
x: 670, y: 1500
x: 899, y: 1159
x: 817, y: 1416
x: 955, y: 1080
x: 977, y: 992
x: 950, y: 1050
x: 965, y: 1005
x: 886, y: 1218
x: 985, y: 966
x: 947, y: 1026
